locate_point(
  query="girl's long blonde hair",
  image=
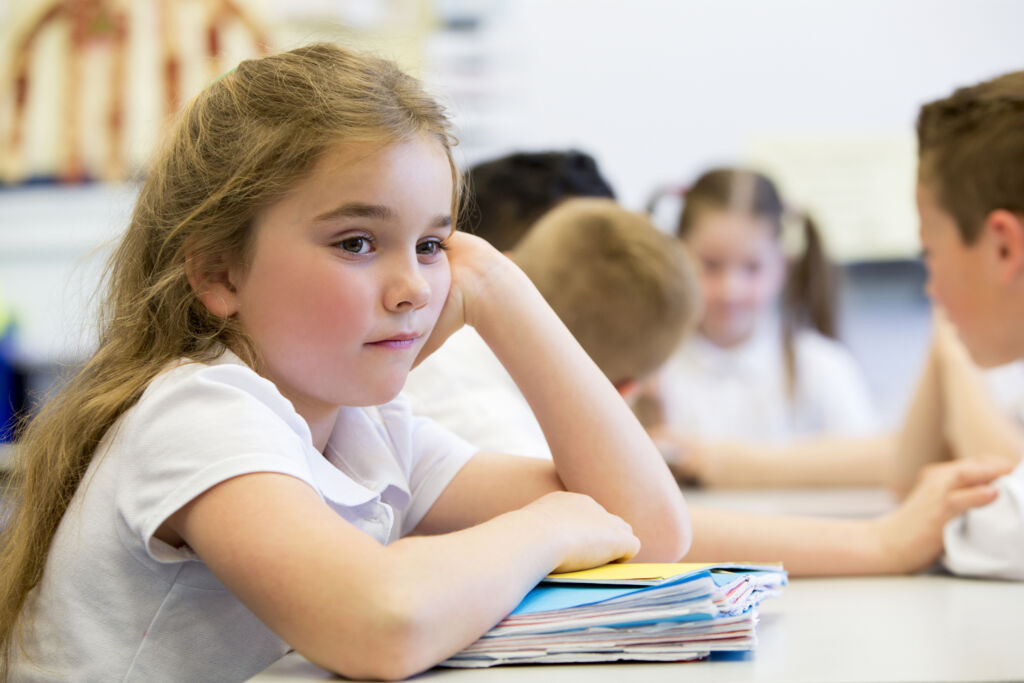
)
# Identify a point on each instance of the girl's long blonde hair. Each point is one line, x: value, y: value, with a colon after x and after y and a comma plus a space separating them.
x: 238, y: 146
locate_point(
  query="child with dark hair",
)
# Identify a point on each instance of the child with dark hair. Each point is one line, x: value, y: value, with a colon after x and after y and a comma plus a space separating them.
x: 506, y: 196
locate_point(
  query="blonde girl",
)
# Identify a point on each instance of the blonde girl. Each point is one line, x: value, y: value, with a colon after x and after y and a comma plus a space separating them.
x: 765, y: 365
x: 231, y: 475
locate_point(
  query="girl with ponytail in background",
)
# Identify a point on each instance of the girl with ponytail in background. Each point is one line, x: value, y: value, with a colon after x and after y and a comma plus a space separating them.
x: 765, y: 366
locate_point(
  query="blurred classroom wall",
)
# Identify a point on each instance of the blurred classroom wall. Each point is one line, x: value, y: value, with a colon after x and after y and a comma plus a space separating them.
x: 821, y: 95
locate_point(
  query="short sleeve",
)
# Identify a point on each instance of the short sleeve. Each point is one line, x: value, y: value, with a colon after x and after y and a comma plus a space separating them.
x: 193, y: 428
x: 431, y: 456
x: 989, y: 541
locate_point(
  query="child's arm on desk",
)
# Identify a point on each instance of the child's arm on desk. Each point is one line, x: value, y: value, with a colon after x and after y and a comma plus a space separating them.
x: 905, y: 540
x: 597, y: 444
x: 813, y: 461
x: 364, y: 609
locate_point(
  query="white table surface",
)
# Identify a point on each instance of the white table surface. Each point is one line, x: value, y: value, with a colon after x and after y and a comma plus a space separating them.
x: 928, y: 627
x: 861, y: 630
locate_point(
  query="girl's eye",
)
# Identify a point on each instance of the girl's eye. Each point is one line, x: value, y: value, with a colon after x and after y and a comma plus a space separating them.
x: 355, y: 245
x: 710, y: 266
x: 431, y: 247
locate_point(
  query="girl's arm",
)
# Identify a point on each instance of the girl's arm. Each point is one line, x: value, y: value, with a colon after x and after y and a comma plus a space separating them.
x: 906, y: 540
x: 598, y: 447
x: 370, y: 611
x: 821, y: 461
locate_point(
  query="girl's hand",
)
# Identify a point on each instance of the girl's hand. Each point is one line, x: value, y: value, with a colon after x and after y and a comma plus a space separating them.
x: 911, y: 536
x: 479, y: 271
x: 590, y: 536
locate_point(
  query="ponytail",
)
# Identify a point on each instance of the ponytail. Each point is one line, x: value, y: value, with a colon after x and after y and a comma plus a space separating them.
x: 810, y: 297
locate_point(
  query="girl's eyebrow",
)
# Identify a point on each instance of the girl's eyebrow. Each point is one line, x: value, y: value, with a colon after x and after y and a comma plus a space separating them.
x: 357, y: 210
x: 376, y: 211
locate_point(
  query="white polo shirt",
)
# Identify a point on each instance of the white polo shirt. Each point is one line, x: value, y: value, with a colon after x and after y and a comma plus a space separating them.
x: 464, y: 387
x: 116, y: 603
x: 989, y: 541
x: 740, y: 393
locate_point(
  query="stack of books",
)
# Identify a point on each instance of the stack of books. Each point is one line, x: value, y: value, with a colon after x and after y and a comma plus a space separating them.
x: 644, y: 612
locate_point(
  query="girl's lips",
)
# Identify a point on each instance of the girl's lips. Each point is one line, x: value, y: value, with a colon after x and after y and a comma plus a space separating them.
x: 398, y: 343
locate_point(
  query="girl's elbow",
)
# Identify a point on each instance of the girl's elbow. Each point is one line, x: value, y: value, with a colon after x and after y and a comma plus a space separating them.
x: 671, y: 540
x: 393, y: 645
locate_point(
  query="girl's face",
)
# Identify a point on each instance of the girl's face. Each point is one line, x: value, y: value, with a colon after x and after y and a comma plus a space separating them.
x: 347, y: 275
x: 741, y: 272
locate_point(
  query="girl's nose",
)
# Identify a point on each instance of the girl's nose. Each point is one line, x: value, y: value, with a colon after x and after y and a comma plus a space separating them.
x: 731, y: 285
x: 407, y: 290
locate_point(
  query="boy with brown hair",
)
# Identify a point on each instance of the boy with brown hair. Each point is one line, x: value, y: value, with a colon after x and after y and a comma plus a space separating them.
x: 970, y: 196
x: 627, y: 293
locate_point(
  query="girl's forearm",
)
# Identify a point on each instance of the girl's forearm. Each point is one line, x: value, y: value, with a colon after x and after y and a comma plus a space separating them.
x: 598, y: 446
x: 807, y: 546
x: 451, y: 588
x: 824, y: 461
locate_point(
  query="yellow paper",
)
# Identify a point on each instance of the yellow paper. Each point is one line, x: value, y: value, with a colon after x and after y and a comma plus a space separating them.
x: 647, y: 571
x: 635, y: 571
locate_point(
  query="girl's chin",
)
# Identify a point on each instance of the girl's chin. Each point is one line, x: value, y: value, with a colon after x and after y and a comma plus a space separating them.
x: 727, y: 337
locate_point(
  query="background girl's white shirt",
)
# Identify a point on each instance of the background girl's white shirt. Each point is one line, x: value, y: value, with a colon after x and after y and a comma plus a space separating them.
x: 739, y: 393
x: 115, y: 602
x: 464, y: 387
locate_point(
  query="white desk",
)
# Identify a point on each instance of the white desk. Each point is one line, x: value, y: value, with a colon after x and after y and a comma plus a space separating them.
x: 868, y: 630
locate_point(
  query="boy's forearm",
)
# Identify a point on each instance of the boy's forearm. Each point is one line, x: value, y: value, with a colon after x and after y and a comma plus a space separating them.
x: 920, y: 440
x: 598, y: 446
x: 975, y: 424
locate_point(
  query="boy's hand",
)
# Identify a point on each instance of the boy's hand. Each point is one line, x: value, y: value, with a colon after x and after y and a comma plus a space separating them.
x: 684, y: 454
x: 590, y: 536
x: 911, y: 536
x: 478, y: 273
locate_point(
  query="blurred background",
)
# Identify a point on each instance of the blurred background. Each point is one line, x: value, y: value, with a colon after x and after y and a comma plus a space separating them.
x: 820, y: 95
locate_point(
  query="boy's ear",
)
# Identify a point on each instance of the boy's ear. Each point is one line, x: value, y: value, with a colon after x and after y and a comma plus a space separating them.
x: 1007, y: 229
x: 212, y: 281
x: 628, y: 388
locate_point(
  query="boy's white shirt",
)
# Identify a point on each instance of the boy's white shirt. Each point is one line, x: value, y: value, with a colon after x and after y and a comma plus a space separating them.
x: 464, y: 387
x: 116, y: 603
x: 740, y: 393
x: 989, y: 541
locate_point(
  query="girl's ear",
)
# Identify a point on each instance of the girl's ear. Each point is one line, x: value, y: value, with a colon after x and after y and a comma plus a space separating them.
x: 1007, y: 230
x: 213, y: 282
